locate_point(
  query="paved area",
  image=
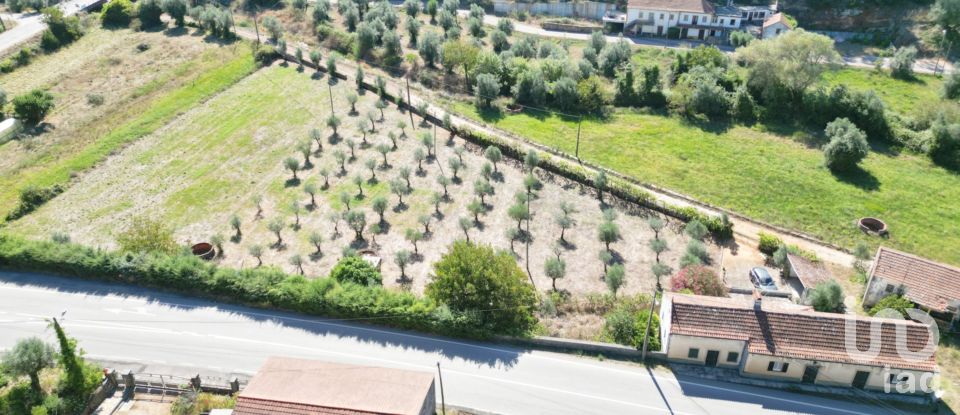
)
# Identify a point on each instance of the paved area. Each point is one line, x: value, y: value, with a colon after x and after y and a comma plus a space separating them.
x: 30, y: 25
x: 135, y: 325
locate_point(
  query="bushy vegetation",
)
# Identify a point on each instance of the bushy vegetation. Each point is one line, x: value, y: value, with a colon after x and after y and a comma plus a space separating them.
x: 31, y: 198
x: 826, y: 297
x: 626, y: 323
x: 699, y: 280
x: 443, y: 311
x: 769, y: 243
x: 33, y: 106
x: 117, y: 13
x: 892, y: 302
x: 193, y: 403
x: 355, y: 270
x: 61, y: 30
x: 76, y: 378
x: 847, y: 145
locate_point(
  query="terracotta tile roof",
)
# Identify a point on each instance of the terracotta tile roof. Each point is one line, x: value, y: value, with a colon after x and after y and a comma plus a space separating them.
x: 810, y: 273
x: 777, y: 18
x: 930, y: 284
x: 306, y: 387
x: 690, y: 6
x: 794, y: 333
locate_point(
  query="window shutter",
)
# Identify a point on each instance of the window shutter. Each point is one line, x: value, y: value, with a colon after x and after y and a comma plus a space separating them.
x: 785, y: 366
x: 770, y: 367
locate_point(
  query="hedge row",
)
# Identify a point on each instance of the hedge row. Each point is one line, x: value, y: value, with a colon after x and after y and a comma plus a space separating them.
x: 265, y: 287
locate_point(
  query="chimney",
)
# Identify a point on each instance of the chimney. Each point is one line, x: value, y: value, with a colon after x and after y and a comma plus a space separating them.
x: 757, y: 300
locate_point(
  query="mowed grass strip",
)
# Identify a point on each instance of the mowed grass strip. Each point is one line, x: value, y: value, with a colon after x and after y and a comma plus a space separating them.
x: 158, y: 113
x: 769, y: 177
x: 906, y: 97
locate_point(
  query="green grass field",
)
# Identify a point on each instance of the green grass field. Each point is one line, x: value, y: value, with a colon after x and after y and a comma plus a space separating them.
x: 768, y: 177
x: 902, y: 96
x: 83, y: 136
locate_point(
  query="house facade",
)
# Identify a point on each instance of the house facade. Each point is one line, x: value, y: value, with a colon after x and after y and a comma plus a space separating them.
x: 685, y: 19
x: 775, y: 26
x: 789, y: 342
x: 930, y: 285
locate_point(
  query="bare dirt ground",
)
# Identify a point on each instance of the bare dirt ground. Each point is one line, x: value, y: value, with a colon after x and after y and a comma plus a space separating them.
x: 207, y: 165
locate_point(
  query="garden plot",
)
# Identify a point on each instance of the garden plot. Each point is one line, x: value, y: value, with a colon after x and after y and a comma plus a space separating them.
x: 216, y: 160
x: 99, y: 82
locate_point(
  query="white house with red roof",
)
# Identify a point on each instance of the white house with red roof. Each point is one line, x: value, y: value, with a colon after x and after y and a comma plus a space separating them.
x: 789, y: 342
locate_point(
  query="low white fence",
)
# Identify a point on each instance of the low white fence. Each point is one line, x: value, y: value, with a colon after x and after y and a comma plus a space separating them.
x: 584, y: 9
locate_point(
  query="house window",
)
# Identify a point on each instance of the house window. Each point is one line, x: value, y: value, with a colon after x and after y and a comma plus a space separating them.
x: 661, y: 16
x: 693, y: 353
x: 671, y: 17
x: 686, y: 17
x: 779, y: 367
x: 732, y: 357
x: 721, y: 21
x: 744, y: 15
x: 733, y: 22
x: 896, y: 378
x: 889, y: 288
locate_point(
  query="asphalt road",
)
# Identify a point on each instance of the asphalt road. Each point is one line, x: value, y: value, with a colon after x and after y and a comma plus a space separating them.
x: 31, y: 24
x: 157, y: 330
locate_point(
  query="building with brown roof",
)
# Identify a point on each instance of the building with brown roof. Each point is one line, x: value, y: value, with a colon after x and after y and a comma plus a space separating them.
x: 930, y: 285
x: 687, y: 19
x: 793, y: 343
x: 310, y: 387
x: 806, y: 274
x: 775, y: 25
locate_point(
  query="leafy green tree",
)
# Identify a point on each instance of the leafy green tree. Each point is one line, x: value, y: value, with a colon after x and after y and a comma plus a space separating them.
x: 116, y: 13
x: 656, y: 225
x: 658, y: 246
x: 947, y: 14
x: 316, y: 240
x: 429, y: 48
x: 256, y: 251
x: 612, y: 56
x: 486, y: 89
x: 598, y: 41
x: 615, y: 278
x: 600, y: 182
x: 565, y: 93
x: 740, y: 38
x: 27, y: 358
x: 276, y: 226
x: 391, y: 48
x: 413, y: 236
x: 297, y: 261
x: 530, y: 87
x: 320, y: 12
x: 33, y: 106
x: 75, y: 387
x: 794, y: 60
x: 901, y: 66
x: 519, y: 212
x: 177, y: 9
x: 332, y: 70
x: 149, y: 11
x: 555, y: 268
x: 826, y: 297
x: 147, y: 235
x: 274, y: 28
x: 460, y: 54
x: 333, y: 122
x: 412, y: 8
x: 293, y: 165
x: 473, y: 278
x: 432, y: 10
x: 608, y: 232
x: 357, y: 221
x: 499, y: 40
x: 402, y: 259
x: 847, y: 146
x: 951, y: 85
x: 353, y: 269
x: 493, y: 154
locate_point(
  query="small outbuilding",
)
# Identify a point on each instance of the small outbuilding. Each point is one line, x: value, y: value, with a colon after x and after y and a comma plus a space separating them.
x: 932, y: 286
x: 775, y: 25
x: 803, y: 274
x: 309, y: 387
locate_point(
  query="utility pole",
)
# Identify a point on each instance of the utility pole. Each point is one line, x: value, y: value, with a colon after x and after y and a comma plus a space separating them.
x: 443, y: 400
x: 256, y: 27
x: 330, y: 88
x: 646, y: 332
x: 409, y: 103
x: 580, y: 121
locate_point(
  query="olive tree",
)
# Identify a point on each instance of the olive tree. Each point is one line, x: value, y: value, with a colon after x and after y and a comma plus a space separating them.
x: 555, y: 269
x: 27, y: 358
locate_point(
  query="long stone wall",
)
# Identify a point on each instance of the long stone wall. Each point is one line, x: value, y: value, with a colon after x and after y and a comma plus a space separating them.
x: 584, y: 9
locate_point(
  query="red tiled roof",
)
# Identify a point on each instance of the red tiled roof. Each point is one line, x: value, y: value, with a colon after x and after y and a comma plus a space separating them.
x: 795, y: 333
x: 306, y: 387
x: 810, y: 273
x: 690, y: 6
x: 930, y: 284
x: 777, y: 18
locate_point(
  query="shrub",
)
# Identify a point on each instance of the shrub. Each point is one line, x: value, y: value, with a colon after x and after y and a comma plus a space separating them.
x: 177, y: 9
x: 626, y: 326
x: 356, y: 270
x: 826, y: 297
x: 945, y: 143
x: 901, y: 66
x: 149, y: 11
x: 893, y: 302
x: 470, y: 278
x: 265, y: 55
x: 592, y: 94
x: 565, y: 93
x: 848, y: 145
x: 265, y: 287
x: 147, y: 235
x: 31, y: 198
x: 116, y: 13
x: 740, y: 38
x: 769, y: 243
x: 951, y: 85
x: 33, y: 106
x: 699, y: 280
x: 486, y: 89
x: 699, y: 93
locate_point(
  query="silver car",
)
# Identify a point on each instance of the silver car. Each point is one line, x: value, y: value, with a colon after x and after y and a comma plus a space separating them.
x: 762, y: 279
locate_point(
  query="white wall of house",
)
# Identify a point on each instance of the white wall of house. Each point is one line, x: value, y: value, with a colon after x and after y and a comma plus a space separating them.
x: 730, y: 352
x: 774, y: 30
x: 658, y: 22
x: 830, y: 373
